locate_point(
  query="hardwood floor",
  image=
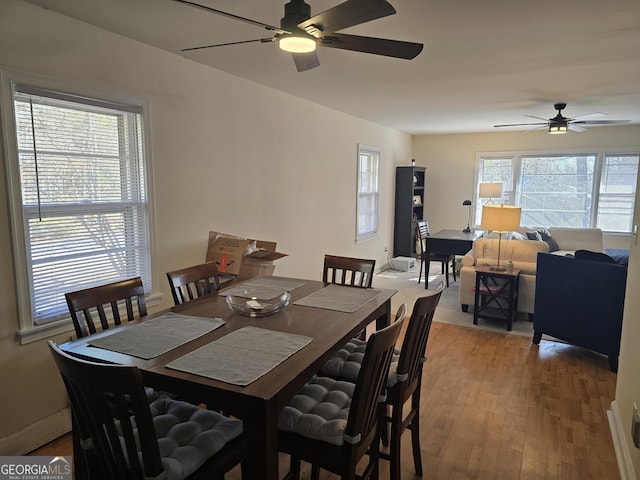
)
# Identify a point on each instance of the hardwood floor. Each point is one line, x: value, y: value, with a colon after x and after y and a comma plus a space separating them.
x: 494, y: 406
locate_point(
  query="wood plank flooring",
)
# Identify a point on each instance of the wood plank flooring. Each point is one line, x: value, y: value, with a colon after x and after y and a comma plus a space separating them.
x: 494, y: 406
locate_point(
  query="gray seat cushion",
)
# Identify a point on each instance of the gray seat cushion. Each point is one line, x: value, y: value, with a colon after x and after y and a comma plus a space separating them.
x: 188, y: 435
x: 319, y: 411
x: 347, y: 361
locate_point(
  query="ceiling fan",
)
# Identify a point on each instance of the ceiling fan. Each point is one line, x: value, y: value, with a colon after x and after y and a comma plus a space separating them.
x: 560, y: 124
x: 299, y: 33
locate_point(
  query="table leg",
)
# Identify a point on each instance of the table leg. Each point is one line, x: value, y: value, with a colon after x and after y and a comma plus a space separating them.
x: 384, y: 318
x: 510, y: 310
x: 262, y: 433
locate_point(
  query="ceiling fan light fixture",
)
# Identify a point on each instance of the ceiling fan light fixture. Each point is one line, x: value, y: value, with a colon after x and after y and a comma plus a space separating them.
x: 295, y: 44
x: 558, y: 129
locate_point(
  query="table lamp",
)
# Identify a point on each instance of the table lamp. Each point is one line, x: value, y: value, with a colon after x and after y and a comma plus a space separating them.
x: 467, y: 203
x: 500, y: 219
x: 490, y: 191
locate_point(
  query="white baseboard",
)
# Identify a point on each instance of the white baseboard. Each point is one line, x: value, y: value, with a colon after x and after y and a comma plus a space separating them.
x: 620, y: 443
x: 37, y: 434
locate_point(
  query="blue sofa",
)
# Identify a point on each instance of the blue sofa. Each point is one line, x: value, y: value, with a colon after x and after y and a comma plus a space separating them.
x: 580, y: 301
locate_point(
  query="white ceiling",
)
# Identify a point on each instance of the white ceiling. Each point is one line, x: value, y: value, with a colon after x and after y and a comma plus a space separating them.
x: 484, y: 62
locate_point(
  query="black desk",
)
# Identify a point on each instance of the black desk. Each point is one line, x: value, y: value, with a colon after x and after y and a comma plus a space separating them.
x: 447, y: 243
x: 451, y: 242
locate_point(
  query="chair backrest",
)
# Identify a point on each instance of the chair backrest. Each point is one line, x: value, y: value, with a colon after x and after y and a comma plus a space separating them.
x: 422, y: 232
x: 82, y: 302
x: 372, y: 379
x: 356, y: 272
x: 414, y: 344
x: 194, y: 282
x: 110, y: 404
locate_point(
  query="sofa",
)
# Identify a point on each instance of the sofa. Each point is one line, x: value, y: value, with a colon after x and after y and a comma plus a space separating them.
x: 523, y: 253
x: 581, y: 301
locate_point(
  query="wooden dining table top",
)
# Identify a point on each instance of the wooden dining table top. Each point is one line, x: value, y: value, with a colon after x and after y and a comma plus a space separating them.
x: 259, y: 402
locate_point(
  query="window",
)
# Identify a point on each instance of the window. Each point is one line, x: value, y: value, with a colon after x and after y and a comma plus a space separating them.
x: 80, y: 205
x: 556, y: 190
x: 367, y: 204
x: 565, y: 189
x: 617, y: 192
x: 494, y: 170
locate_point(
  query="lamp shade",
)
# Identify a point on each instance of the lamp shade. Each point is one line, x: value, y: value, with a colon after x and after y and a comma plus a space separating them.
x: 500, y: 218
x: 490, y: 190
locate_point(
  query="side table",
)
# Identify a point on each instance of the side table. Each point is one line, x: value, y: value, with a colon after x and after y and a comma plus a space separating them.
x: 493, y: 289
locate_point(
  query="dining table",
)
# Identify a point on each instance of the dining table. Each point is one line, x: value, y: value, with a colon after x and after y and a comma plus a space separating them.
x: 226, y: 365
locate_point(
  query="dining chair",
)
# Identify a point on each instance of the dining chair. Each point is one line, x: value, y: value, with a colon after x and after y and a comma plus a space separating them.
x: 128, y: 438
x: 446, y: 260
x: 196, y: 281
x: 332, y: 424
x: 356, y: 272
x: 103, y: 299
x: 404, y: 380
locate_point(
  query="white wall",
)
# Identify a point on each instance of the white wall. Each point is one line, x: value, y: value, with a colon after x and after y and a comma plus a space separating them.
x: 228, y: 155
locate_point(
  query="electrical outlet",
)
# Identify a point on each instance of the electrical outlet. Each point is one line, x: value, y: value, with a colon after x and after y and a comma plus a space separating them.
x: 635, y: 427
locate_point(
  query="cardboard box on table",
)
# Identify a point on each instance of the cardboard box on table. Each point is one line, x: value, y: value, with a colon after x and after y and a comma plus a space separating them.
x: 243, y: 257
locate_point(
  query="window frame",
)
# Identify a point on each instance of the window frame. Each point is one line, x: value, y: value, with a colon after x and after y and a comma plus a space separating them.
x: 512, y: 190
x: 27, y: 330
x: 374, y: 153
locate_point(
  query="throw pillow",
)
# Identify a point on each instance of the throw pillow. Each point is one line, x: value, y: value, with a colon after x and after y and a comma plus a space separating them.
x: 534, y: 235
x: 517, y: 236
x: 546, y: 237
x: 620, y: 256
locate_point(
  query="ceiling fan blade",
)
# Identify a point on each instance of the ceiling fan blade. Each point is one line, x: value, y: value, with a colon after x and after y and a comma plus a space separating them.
x: 376, y: 46
x: 520, y: 124
x: 234, y: 17
x: 601, y: 122
x: 261, y: 40
x: 595, y: 114
x: 535, y: 129
x: 306, y: 61
x: 538, y: 118
x: 576, y: 128
x: 346, y: 14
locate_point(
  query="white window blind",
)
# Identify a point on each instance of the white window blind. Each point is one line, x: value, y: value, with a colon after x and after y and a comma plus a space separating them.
x: 367, y: 205
x: 84, y: 204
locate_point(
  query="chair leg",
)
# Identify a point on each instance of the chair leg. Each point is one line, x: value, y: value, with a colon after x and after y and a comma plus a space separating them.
x: 294, y: 469
x: 415, y: 431
x: 394, y: 442
x: 453, y: 268
x: 420, y: 274
x: 446, y: 272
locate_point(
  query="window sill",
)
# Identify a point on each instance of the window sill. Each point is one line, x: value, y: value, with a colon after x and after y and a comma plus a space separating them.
x: 366, y: 238
x: 42, y: 332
